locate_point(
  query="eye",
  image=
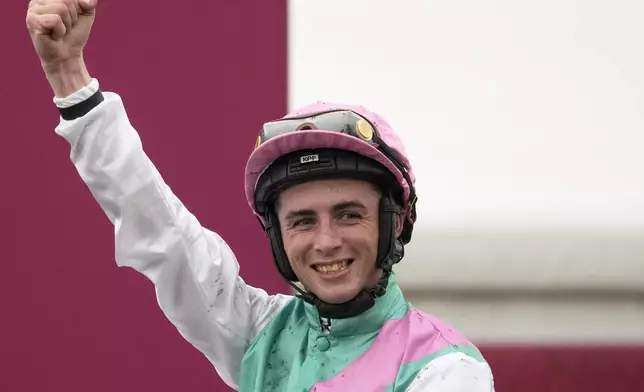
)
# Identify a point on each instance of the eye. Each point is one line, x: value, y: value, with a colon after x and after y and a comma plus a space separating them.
x: 350, y: 215
x: 302, y: 222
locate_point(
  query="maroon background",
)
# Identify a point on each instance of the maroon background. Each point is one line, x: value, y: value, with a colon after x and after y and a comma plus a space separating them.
x: 198, y: 79
x: 533, y: 368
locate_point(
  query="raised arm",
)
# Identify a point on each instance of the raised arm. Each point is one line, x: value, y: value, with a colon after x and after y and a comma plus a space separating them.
x: 195, y: 273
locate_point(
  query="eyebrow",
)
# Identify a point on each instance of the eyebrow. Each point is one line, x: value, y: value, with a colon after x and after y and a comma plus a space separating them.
x: 338, y: 207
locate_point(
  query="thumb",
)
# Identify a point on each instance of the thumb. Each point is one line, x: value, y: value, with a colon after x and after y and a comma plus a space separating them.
x: 88, y: 6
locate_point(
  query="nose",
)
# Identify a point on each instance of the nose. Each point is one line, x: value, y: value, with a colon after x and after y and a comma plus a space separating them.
x: 327, y: 238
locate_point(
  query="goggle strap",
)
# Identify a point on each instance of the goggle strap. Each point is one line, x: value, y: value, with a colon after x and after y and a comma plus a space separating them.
x: 392, y: 157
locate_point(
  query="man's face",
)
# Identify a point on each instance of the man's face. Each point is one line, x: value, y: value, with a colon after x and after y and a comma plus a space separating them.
x: 330, y: 234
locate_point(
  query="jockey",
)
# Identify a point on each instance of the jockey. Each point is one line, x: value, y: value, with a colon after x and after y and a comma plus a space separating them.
x: 334, y: 192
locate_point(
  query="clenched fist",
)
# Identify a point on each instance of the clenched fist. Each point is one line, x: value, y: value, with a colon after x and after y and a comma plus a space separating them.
x: 59, y: 30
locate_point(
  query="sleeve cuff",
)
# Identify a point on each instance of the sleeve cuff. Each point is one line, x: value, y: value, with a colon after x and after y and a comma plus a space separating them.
x: 79, y: 96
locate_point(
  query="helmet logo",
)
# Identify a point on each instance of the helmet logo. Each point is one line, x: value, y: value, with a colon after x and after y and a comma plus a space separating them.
x: 364, y: 129
x: 309, y: 158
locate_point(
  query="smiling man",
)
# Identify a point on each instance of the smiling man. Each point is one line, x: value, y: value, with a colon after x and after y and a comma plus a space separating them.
x: 330, y: 236
x: 334, y: 192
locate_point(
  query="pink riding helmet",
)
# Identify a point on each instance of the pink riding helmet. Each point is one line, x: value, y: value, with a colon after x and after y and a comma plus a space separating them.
x: 272, y: 149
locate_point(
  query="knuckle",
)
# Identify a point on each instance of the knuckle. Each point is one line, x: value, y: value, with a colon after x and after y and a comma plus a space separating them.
x: 31, y: 19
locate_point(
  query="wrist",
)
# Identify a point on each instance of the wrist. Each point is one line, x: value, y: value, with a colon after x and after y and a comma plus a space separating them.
x: 67, y: 77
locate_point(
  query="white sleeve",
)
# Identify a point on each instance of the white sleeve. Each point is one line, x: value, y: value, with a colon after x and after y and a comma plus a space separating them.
x: 455, y: 372
x: 194, y: 272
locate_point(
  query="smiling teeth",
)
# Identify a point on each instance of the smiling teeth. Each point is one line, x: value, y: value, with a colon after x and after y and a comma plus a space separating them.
x: 332, y: 267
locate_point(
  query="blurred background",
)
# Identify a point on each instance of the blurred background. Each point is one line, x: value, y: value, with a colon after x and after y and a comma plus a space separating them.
x: 523, y: 121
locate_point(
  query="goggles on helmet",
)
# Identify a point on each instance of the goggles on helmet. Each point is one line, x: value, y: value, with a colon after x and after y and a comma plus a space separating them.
x: 341, y: 121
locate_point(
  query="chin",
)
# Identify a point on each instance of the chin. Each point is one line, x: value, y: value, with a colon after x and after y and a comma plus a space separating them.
x: 339, y: 288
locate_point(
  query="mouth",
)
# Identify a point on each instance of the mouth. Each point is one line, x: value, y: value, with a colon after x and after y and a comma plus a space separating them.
x: 333, y: 268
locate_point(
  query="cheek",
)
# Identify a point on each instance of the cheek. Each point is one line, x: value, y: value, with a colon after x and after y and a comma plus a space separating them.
x: 364, y: 239
x: 294, y: 248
